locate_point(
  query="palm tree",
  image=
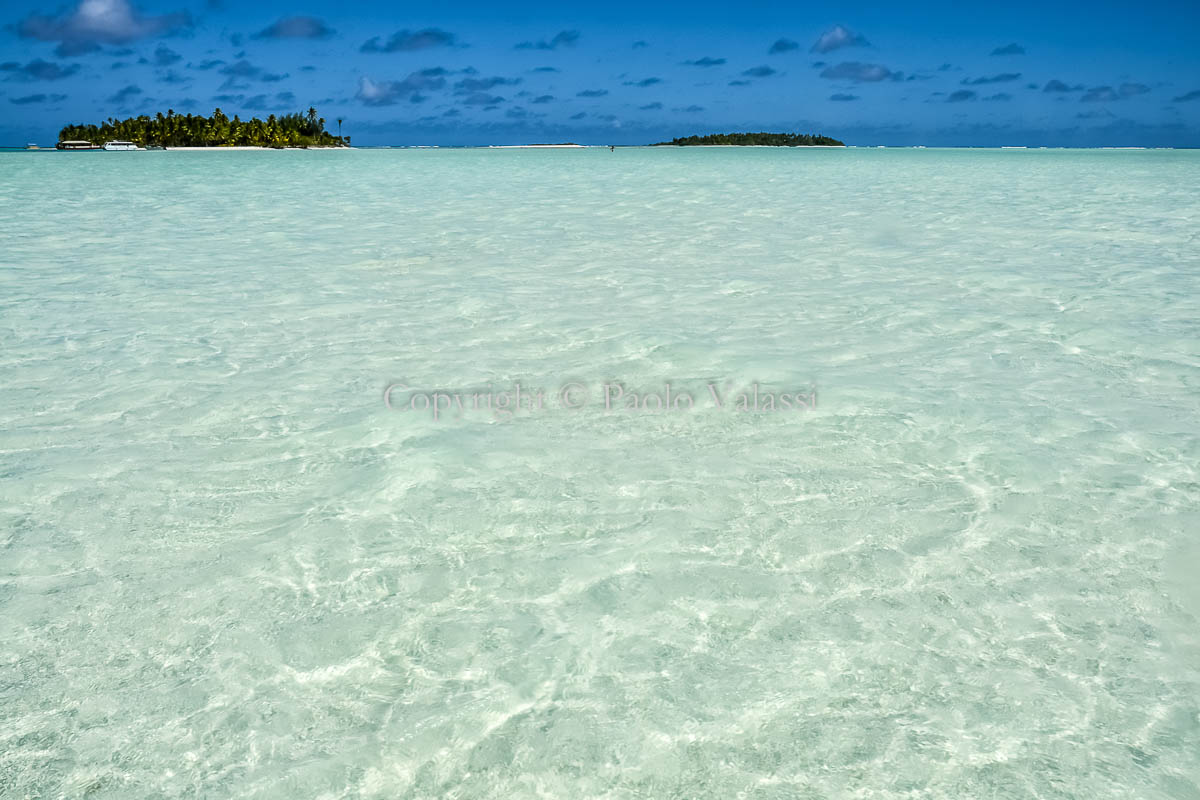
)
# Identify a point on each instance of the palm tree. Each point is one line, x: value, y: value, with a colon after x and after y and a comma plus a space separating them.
x: 174, y: 130
x: 340, y: 128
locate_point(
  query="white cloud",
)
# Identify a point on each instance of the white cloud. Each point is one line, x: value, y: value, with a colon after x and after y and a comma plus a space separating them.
x: 98, y: 22
x: 837, y: 37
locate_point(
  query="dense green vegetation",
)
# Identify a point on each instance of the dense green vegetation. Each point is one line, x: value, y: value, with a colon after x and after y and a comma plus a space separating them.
x: 768, y: 139
x: 188, y: 130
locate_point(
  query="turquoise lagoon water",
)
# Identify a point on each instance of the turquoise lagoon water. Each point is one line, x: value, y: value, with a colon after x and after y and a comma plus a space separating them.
x: 967, y: 569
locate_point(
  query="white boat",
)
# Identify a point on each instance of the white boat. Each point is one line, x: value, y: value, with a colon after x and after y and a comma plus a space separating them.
x: 118, y: 145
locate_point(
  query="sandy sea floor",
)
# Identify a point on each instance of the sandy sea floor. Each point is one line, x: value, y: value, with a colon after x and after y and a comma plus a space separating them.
x: 229, y: 569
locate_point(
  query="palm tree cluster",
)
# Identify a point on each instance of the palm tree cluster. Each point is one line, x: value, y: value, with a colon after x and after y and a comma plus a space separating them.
x: 193, y: 130
x: 760, y: 139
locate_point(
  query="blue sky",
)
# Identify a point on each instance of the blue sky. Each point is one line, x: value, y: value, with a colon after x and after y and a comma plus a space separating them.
x: 933, y: 73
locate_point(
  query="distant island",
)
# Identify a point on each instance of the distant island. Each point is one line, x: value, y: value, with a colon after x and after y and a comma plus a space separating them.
x: 192, y: 130
x: 754, y: 140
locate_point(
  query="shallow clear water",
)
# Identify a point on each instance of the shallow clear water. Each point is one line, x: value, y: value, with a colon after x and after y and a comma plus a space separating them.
x: 228, y: 569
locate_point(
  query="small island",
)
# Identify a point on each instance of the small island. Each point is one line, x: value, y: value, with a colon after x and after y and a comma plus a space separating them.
x: 218, y: 130
x: 753, y: 140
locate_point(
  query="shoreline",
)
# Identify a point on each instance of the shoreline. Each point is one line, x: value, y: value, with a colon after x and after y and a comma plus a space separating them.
x: 244, y: 148
x: 251, y: 148
x: 537, y: 146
